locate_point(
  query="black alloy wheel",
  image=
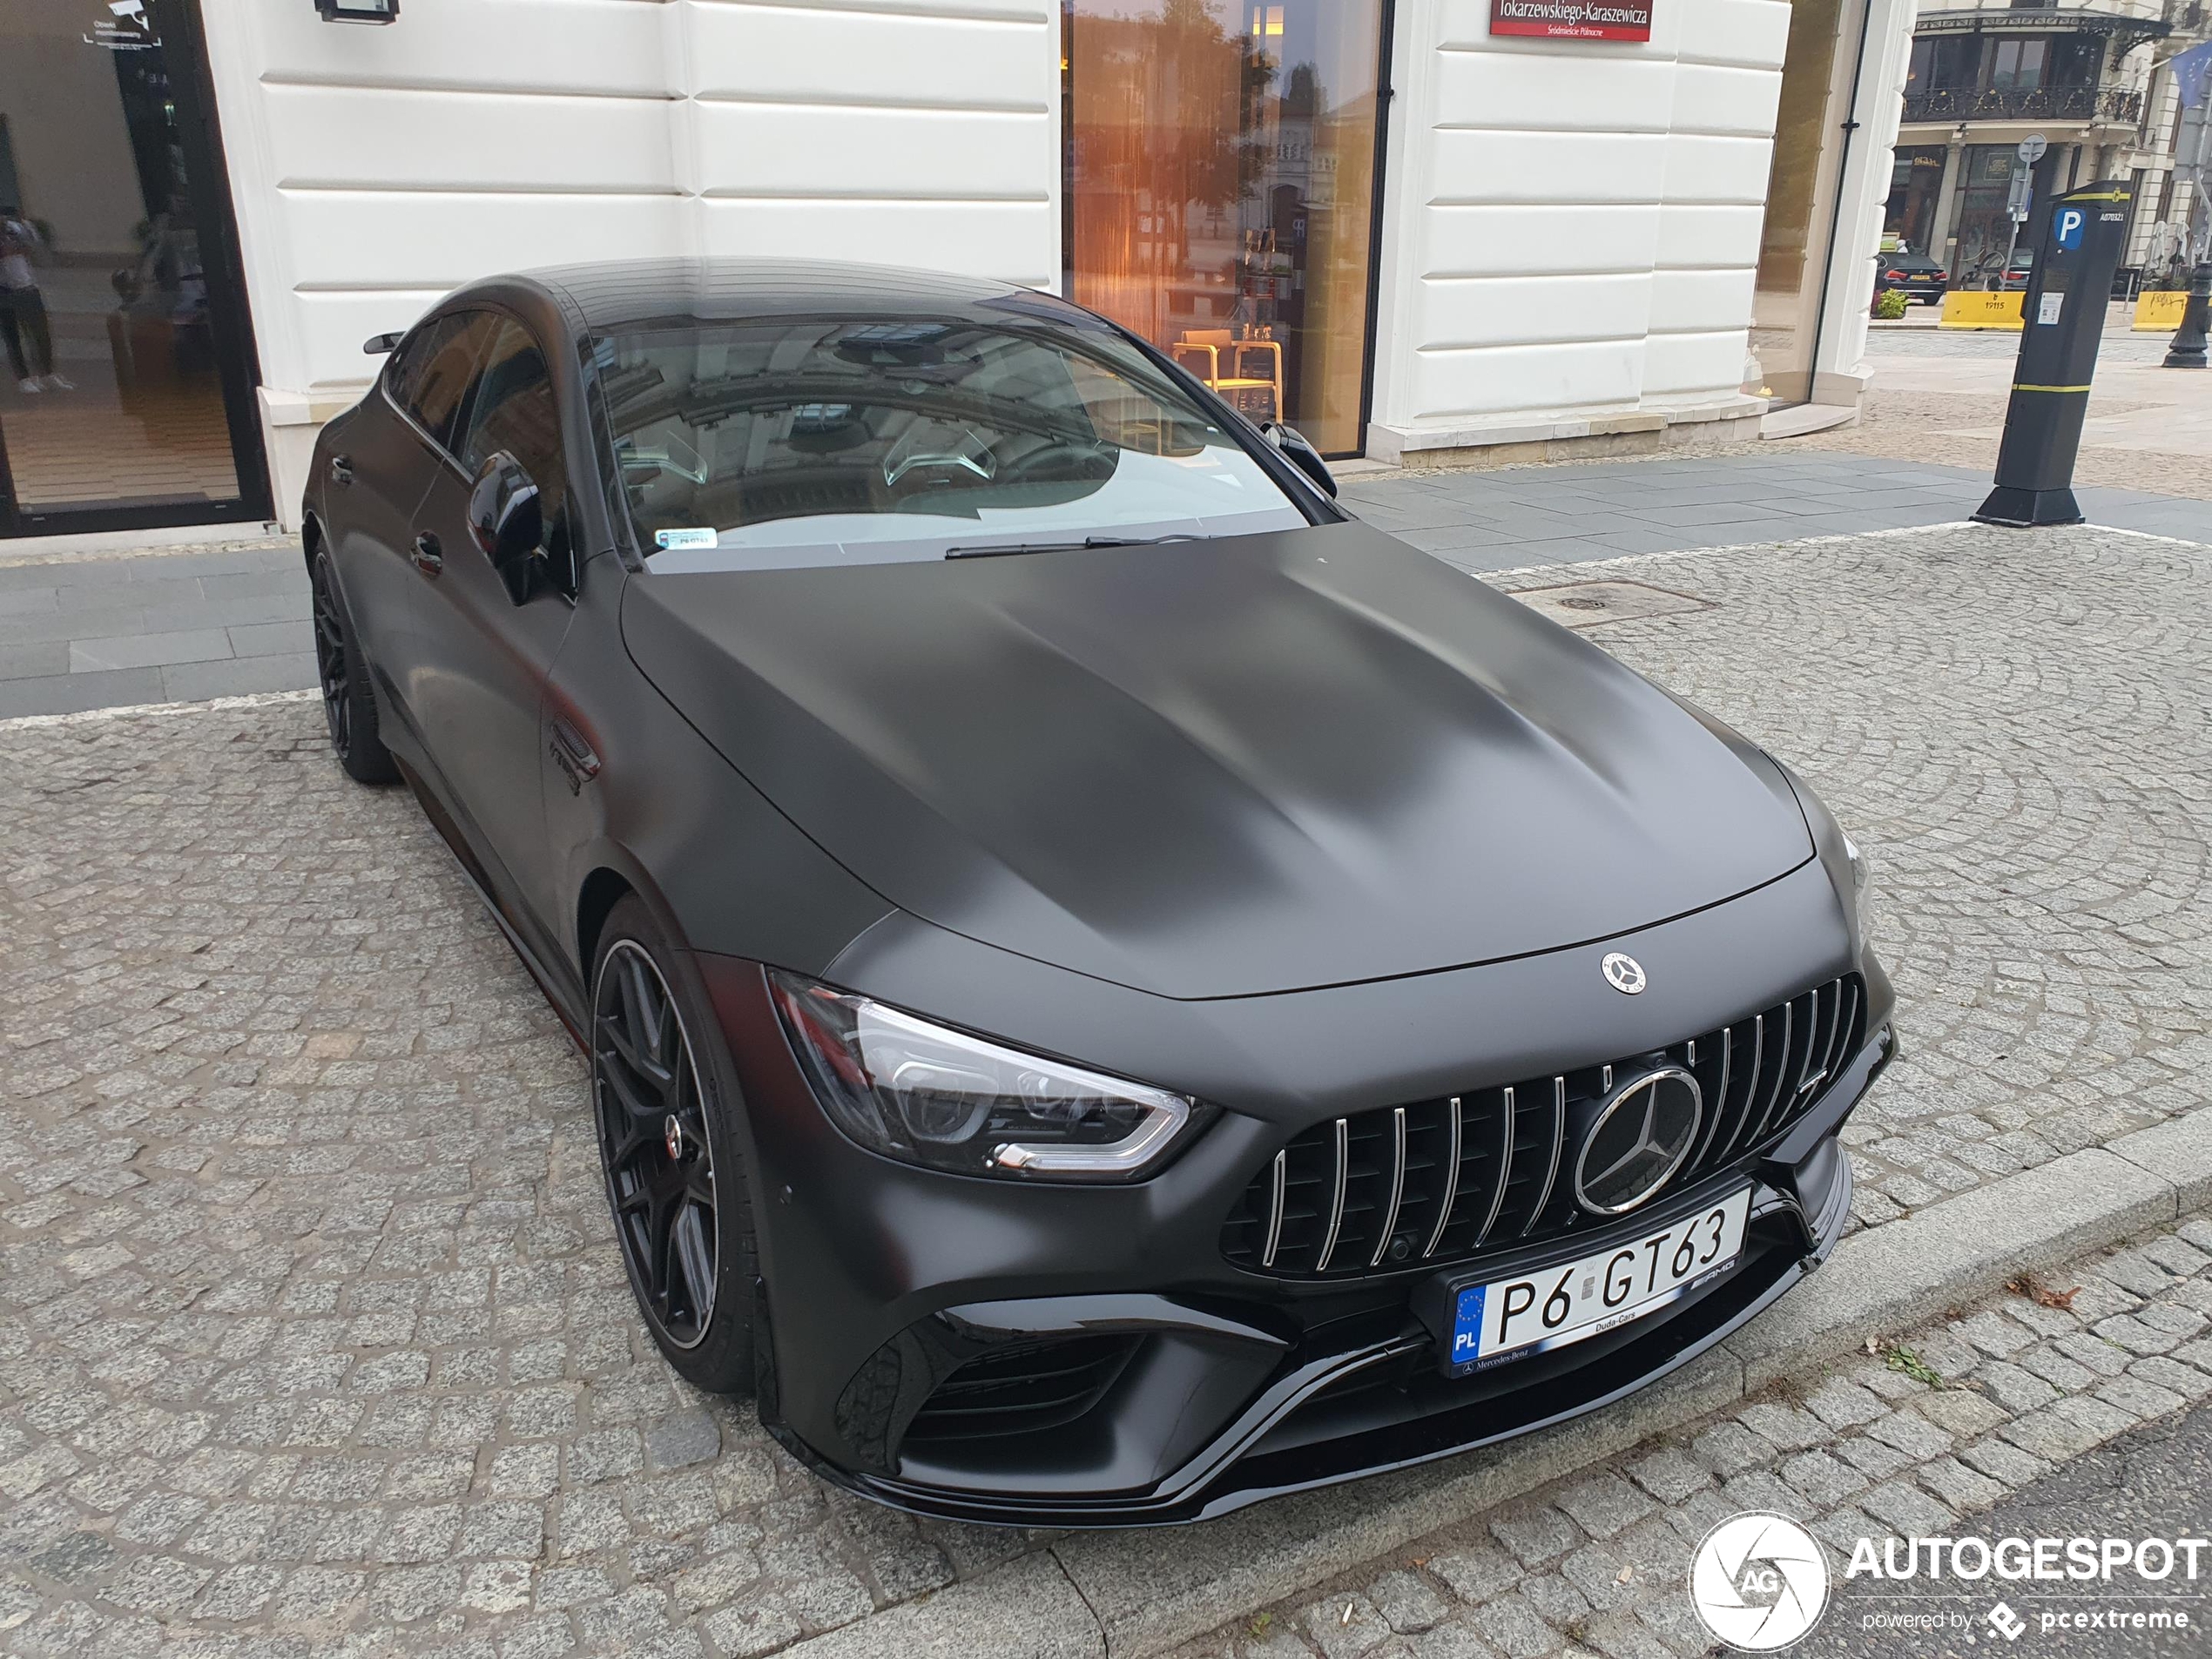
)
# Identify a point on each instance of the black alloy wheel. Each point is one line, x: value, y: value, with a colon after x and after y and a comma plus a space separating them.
x: 349, y: 702
x: 657, y: 1144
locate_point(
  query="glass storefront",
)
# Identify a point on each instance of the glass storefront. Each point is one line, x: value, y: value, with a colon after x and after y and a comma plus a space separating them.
x: 1985, y: 226
x: 1220, y: 192
x: 1916, y: 188
x: 1800, y: 209
x: 125, y: 383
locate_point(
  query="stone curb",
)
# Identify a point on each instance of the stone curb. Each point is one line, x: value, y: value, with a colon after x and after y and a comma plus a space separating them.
x: 1135, y: 1594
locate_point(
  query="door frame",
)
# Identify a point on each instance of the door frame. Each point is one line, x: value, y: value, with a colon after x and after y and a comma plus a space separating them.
x: 183, y: 44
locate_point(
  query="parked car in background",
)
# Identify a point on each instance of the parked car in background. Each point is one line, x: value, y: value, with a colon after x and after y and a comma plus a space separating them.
x: 2019, y: 270
x: 1918, y: 278
x: 1113, y: 989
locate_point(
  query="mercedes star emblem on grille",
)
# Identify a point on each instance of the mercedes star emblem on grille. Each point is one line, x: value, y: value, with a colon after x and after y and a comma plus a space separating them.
x: 1624, y: 974
x: 1643, y: 1133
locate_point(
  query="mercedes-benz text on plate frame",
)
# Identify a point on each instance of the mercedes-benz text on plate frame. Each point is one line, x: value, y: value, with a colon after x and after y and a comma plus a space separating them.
x: 1624, y: 974
x: 1511, y: 1318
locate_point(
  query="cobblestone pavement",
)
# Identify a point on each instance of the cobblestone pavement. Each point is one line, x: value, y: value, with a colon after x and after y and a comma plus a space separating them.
x: 313, y: 1337
x: 1912, y: 1440
x: 2019, y: 732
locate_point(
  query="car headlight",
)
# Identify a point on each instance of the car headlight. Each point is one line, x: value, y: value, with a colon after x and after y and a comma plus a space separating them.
x: 925, y: 1094
x: 1858, y: 881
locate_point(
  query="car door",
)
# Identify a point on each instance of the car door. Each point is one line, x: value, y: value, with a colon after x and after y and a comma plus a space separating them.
x: 484, y: 653
x: 379, y: 467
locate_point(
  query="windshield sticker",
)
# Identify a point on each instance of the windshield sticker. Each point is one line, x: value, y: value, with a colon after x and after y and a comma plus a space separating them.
x: 666, y: 539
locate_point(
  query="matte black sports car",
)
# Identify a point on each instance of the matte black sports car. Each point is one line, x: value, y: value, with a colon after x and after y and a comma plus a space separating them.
x: 1113, y: 988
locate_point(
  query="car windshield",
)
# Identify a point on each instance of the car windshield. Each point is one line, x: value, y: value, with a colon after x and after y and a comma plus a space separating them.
x: 824, y: 440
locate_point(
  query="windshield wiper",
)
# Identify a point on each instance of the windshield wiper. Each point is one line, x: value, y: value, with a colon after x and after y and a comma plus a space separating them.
x: 995, y: 548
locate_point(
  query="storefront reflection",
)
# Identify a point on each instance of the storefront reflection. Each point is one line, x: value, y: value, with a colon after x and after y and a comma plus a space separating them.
x: 111, y: 397
x: 1221, y: 193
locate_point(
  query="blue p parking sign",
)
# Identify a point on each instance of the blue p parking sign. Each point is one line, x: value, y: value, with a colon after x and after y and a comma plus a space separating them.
x: 2072, y: 222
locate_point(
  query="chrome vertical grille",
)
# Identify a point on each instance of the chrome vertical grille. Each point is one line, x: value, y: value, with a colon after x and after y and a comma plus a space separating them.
x: 1437, y: 1180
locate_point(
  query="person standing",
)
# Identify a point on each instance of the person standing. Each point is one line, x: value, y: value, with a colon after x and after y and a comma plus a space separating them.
x: 24, y: 323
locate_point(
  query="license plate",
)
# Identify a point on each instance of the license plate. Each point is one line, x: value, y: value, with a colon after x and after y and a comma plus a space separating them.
x: 1510, y: 1318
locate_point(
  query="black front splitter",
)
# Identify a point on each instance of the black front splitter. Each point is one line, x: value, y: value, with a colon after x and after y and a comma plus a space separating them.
x: 1238, y: 1470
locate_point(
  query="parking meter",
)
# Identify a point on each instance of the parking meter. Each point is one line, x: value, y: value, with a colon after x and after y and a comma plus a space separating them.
x: 2062, y: 321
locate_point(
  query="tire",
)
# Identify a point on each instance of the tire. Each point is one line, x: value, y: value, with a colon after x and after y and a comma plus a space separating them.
x: 348, y: 700
x: 679, y: 1198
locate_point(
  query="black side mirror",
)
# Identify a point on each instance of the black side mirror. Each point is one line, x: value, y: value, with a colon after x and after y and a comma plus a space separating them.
x: 378, y: 345
x: 1290, y: 443
x: 507, y: 522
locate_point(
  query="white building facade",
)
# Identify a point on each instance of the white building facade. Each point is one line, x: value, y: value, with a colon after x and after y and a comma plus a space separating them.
x: 1408, y: 232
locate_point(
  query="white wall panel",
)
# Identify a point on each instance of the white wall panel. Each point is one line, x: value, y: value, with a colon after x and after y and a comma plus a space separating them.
x: 1534, y: 238
x: 369, y: 138
x: 1512, y: 166
x: 809, y: 55
x: 1508, y: 380
x: 1680, y: 371
x: 594, y: 48
x: 1503, y: 90
x: 1523, y: 311
x: 1705, y: 302
x: 1753, y: 33
x: 978, y: 239
x: 401, y: 239
x: 1703, y: 168
x: 1717, y: 98
x: 1703, y: 235
x: 832, y: 152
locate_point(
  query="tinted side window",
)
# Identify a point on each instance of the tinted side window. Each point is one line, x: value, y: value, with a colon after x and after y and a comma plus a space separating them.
x: 435, y: 399
x: 403, y: 374
x: 513, y: 408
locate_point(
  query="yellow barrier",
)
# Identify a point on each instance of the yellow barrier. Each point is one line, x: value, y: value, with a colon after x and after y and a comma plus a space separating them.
x: 1968, y: 308
x: 2159, y: 311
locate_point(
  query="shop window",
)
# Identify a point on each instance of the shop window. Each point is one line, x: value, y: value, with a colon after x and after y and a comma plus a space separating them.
x: 1916, y: 183
x: 1220, y: 193
x: 124, y: 396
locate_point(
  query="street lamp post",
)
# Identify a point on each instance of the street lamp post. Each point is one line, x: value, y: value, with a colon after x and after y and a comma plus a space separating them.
x: 2189, y: 71
x: 2187, y: 349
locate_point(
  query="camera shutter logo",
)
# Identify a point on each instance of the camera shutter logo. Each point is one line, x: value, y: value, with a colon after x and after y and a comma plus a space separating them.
x: 1760, y: 1581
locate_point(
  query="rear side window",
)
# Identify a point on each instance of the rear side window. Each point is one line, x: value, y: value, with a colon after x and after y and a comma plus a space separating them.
x: 431, y: 378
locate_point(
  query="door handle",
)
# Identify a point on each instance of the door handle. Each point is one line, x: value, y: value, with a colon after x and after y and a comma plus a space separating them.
x: 429, y: 558
x: 341, y: 469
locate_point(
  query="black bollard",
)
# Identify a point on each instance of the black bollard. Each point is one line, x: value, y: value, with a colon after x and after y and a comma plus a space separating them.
x: 2187, y: 349
x: 2062, y: 315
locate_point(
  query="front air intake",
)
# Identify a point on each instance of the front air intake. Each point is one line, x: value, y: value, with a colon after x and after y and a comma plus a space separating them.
x: 1021, y: 1390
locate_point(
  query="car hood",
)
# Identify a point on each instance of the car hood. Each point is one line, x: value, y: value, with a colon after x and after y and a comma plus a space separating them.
x: 1220, y: 768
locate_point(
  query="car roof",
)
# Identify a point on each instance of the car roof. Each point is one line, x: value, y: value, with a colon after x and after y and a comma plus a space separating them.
x: 630, y: 293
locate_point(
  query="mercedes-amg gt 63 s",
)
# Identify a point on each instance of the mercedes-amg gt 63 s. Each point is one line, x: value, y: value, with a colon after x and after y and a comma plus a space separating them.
x: 1113, y: 988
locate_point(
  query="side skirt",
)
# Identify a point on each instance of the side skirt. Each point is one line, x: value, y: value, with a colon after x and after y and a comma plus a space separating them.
x: 566, y: 1003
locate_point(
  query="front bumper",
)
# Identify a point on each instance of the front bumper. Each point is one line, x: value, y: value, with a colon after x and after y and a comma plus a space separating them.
x: 1186, y: 1387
